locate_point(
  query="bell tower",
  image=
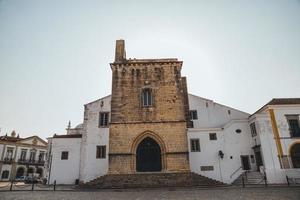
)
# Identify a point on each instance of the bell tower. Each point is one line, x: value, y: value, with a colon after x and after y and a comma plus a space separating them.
x: 149, y: 115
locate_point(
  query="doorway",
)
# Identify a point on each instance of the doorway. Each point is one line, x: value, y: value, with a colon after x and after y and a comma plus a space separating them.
x: 148, y: 156
x: 258, y: 159
x: 295, y: 155
x: 245, y: 162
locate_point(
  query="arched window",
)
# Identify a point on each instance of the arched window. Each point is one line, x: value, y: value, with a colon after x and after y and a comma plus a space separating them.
x: 5, y: 174
x: 147, y: 97
x: 295, y: 155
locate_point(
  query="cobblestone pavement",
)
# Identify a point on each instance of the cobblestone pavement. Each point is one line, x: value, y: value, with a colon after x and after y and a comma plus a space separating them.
x: 156, y: 194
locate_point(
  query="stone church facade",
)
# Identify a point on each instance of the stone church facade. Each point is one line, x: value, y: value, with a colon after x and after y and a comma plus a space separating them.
x: 151, y: 124
x: 149, y: 102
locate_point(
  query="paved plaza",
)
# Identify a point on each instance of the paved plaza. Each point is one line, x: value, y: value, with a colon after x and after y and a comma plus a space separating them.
x: 292, y: 193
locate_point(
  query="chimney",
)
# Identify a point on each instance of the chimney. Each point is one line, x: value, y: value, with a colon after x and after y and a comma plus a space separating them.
x: 120, y: 54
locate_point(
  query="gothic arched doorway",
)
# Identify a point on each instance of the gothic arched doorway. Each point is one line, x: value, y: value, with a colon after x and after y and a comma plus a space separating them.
x: 295, y: 155
x: 148, y: 156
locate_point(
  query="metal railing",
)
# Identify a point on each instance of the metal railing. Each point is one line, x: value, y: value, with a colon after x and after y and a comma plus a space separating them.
x: 35, y: 186
x: 30, y: 161
x: 8, y: 160
x: 235, y: 171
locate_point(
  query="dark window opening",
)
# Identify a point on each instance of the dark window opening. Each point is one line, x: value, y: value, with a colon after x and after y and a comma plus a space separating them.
x: 64, y: 155
x: 195, y: 145
x: 103, y: 119
x: 213, y: 136
x: 147, y: 97
x: 193, y: 114
x: 5, y: 174
x: 238, y: 131
x: 253, y: 129
x: 101, y: 152
x: 294, y: 125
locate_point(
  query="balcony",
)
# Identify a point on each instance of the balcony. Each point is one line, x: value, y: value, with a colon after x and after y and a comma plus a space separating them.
x: 8, y: 160
x: 31, y: 162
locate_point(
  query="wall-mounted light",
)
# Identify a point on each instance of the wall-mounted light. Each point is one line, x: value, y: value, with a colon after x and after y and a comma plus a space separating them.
x: 221, y: 154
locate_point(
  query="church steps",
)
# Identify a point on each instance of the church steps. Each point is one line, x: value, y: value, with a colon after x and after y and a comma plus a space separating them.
x: 150, y: 180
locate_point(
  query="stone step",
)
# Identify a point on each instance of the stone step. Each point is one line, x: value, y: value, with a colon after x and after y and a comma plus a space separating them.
x: 144, y: 180
x: 250, y: 178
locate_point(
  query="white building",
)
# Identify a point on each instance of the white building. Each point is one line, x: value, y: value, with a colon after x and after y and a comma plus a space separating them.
x: 218, y: 129
x: 223, y: 142
x: 21, y: 156
x: 276, y: 138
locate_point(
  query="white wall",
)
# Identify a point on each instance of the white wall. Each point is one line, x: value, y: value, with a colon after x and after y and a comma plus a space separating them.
x: 65, y: 171
x: 94, y: 136
x: 268, y: 146
x: 211, y: 114
x: 229, y: 142
x: 223, y: 120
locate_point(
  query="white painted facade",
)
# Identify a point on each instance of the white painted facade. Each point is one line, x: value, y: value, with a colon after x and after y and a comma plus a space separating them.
x: 86, y: 166
x: 94, y: 136
x: 30, y: 163
x: 64, y: 171
x: 266, y: 139
x: 224, y: 121
x: 234, y: 139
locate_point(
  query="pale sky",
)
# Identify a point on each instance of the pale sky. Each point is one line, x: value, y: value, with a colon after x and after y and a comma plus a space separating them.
x: 55, y: 55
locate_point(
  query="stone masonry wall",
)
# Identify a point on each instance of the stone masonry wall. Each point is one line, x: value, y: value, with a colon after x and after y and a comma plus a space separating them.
x: 164, y: 121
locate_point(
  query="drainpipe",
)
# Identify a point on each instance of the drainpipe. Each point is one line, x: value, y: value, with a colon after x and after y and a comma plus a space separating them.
x: 50, y: 160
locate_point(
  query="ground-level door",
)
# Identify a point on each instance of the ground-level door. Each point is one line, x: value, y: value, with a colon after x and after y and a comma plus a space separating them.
x: 258, y: 157
x: 245, y: 162
x: 148, y: 156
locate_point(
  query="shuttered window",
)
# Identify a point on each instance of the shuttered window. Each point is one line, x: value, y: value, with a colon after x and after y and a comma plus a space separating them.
x: 103, y: 119
x: 193, y: 114
x: 101, y: 152
x: 147, y: 97
x: 195, y: 145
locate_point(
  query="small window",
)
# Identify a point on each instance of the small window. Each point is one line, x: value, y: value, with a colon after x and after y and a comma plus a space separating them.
x: 238, y: 131
x: 147, y: 97
x: 41, y: 156
x: 23, y: 154
x: 101, y: 152
x: 213, y: 136
x: 64, y: 155
x: 195, y: 145
x: 5, y: 174
x: 193, y: 114
x: 103, y: 119
x: 253, y: 129
x: 207, y: 168
x: 190, y: 124
x: 9, y: 153
x: 32, y: 155
x: 294, y: 125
